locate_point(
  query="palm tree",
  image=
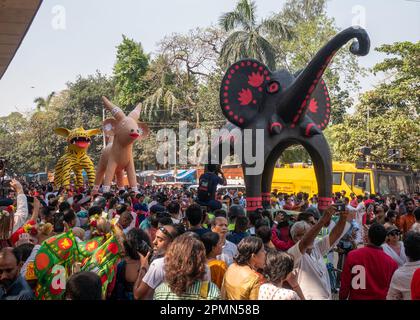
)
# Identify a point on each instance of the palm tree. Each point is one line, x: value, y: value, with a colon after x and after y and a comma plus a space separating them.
x: 43, y: 103
x: 152, y: 103
x: 162, y: 101
x: 247, y: 40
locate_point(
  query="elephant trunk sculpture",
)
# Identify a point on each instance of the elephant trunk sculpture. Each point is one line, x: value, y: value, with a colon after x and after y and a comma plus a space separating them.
x: 308, y: 79
x: 288, y: 109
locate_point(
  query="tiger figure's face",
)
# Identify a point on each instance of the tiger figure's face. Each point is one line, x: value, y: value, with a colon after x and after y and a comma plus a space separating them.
x: 78, y: 138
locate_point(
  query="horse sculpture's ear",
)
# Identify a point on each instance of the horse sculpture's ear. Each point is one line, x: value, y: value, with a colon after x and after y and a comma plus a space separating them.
x: 144, y: 130
x: 109, y: 127
x: 62, y: 132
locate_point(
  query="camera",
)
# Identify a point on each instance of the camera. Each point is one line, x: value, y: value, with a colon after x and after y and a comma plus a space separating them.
x: 340, y: 206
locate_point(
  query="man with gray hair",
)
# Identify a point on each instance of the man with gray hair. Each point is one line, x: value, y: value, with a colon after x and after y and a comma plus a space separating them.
x: 308, y: 253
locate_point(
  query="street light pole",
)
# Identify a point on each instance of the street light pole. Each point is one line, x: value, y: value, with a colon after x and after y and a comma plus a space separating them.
x: 367, y: 126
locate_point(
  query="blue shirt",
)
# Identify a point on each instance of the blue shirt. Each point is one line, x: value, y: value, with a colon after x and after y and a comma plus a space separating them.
x: 200, y: 231
x: 19, y: 290
x: 236, y: 237
x: 215, y: 180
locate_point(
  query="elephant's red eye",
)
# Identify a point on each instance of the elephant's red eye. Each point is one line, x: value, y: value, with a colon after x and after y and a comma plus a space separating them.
x: 273, y: 87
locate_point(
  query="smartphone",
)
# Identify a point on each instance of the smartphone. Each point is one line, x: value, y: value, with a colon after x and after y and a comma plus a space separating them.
x: 144, y: 249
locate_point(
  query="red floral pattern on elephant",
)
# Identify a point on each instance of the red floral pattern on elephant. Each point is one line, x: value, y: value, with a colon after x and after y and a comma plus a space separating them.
x: 245, y: 97
x: 255, y: 79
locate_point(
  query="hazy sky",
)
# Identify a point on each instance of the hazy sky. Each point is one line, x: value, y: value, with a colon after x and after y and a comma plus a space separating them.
x: 50, y: 56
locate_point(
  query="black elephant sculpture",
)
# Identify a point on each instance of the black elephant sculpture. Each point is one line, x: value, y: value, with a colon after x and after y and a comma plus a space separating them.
x: 288, y: 109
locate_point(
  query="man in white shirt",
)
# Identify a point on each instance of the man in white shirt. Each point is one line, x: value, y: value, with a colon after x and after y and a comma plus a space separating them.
x: 360, y: 211
x: 21, y: 214
x: 308, y: 254
x: 154, y: 275
x: 399, y: 288
x: 416, y: 226
x: 229, y: 250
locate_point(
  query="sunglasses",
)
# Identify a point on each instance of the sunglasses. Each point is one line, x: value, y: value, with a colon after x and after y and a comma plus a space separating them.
x: 394, y: 233
x: 166, y: 233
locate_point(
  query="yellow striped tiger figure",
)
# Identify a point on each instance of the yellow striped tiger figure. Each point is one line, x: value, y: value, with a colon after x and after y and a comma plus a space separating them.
x: 75, y: 159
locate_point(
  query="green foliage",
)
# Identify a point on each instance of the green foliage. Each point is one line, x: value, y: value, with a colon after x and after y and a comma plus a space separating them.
x: 402, y: 89
x: 12, y: 132
x: 387, y: 116
x: 29, y: 142
x: 247, y: 38
x: 83, y: 107
x: 163, y: 96
x: 393, y: 129
x: 295, y: 153
x: 129, y: 69
x: 182, y: 82
x: 44, y: 103
x: 311, y: 30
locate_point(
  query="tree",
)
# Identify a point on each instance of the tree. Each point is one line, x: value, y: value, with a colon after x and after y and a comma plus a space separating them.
x: 311, y: 30
x: 163, y: 98
x: 12, y: 130
x: 208, y: 103
x: 401, y: 88
x: 196, y: 52
x: 391, y: 130
x: 42, y: 104
x: 296, y: 11
x: 387, y: 116
x: 247, y: 38
x: 81, y: 105
x: 129, y: 69
x: 40, y: 141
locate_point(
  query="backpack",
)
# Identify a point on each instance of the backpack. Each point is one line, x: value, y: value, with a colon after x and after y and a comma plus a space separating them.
x: 204, y: 188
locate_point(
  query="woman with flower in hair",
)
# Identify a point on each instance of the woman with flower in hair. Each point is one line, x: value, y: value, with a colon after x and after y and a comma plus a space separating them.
x: 44, y: 231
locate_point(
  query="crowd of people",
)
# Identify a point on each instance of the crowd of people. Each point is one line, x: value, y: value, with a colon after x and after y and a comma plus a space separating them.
x: 180, y: 245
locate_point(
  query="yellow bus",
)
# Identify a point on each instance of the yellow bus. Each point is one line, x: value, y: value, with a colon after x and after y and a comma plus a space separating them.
x: 359, y: 178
